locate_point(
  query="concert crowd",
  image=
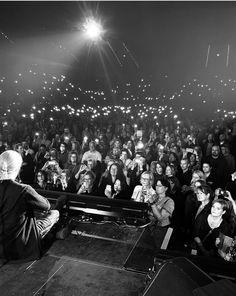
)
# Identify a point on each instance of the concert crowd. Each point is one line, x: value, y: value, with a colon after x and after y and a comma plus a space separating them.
x: 185, y: 172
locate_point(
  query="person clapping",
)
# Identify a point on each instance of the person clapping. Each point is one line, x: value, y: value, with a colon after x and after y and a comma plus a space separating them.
x: 162, y: 206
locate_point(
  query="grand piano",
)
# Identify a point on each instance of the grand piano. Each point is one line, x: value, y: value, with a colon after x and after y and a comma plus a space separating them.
x: 133, y: 212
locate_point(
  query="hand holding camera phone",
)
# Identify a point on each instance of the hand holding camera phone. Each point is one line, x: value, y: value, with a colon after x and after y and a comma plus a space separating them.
x: 108, y: 191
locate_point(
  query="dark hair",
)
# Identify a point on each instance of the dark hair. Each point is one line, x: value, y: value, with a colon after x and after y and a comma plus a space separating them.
x: 53, y: 152
x: 189, y: 154
x: 127, y: 151
x: 90, y: 174
x: 63, y: 143
x: 18, y: 145
x: 222, y: 202
x: 172, y: 167
x: 206, y: 162
x: 174, y: 154
x: 42, y: 173
x: 162, y: 164
x: 92, y: 142
x: 185, y: 158
x: 69, y: 157
x: 123, y: 184
x: 165, y: 183
x: 119, y: 168
x: 206, y: 189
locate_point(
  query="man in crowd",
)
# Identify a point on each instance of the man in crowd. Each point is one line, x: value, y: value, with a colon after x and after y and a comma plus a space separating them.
x: 219, y: 166
x: 92, y: 153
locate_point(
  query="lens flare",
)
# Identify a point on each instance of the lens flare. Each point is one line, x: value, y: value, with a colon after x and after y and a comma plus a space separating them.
x: 93, y: 29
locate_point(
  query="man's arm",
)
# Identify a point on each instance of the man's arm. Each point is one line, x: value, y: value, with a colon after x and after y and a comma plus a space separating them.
x: 35, y: 200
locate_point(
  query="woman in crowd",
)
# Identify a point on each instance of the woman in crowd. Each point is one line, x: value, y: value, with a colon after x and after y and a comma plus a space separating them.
x: 73, y: 164
x: 125, y: 158
x: 191, y: 202
x: 159, y: 171
x: 226, y: 195
x: 107, y: 182
x: 56, y: 142
x: 143, y: 192
x: 64, y: 183
x: 106, y: 167
x: 193, y: 163
x: 121, y: 190
x: 89, y: 165
x: 161, y: 154
x: 175, y: 186
x: 51, y: 167
x: 174, y: 161
x: 40, y: 180
x: 208, y: 228
x: 162, y: 206
x: 40, y: 159
x: 87, y: 187
x: 204, y: 196
x: 136, y: 168
x: 131, y: 148
x: 27, y: 169
x: 152, y: 167
x: 75, y: 147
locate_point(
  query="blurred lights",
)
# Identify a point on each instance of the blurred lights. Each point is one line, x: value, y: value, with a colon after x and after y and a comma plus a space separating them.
x: 93, y: 29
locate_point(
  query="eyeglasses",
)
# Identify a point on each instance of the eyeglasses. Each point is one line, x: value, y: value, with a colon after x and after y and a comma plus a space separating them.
x: 87, y: 179
x: 159, y: 185
x: 145, y: 179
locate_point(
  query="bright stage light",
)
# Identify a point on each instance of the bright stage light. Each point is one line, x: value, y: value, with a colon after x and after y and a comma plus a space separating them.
x: 93, y: 29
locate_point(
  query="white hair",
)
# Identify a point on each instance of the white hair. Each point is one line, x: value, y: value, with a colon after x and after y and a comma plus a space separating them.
x: 10, y: 164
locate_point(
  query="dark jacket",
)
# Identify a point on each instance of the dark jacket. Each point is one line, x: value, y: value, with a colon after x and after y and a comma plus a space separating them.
x: 18, y: 233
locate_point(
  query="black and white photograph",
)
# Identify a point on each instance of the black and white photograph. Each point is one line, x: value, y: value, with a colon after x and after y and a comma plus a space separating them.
x: 117, y: 148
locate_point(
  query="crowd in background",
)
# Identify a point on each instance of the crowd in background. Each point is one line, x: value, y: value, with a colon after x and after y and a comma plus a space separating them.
x: 185, y: 172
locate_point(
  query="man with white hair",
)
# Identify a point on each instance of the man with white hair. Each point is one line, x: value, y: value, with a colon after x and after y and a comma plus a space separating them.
x: 20, y: 231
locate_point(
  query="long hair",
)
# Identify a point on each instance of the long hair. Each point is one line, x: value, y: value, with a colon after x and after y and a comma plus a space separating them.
x: 120, y: 174
x: 69, y: 157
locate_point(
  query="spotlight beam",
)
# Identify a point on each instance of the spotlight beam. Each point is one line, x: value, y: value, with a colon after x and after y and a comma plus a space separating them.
x: 93, y: 29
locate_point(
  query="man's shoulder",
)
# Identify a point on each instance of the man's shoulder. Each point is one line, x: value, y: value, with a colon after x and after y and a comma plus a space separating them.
x: 14, y: 186
x: 87, y: 152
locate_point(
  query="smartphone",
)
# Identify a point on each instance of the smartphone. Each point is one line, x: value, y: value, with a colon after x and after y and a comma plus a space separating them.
x: 108, y: 187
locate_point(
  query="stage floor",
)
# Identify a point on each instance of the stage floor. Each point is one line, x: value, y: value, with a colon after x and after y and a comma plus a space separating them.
x: 101, y: 258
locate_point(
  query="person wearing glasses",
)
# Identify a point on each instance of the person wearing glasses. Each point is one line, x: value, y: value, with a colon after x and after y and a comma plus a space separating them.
x: 162, y: 206
x: 143, y: 192
x: 87, y: 186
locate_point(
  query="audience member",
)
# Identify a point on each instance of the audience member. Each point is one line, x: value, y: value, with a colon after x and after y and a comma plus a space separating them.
x: 92, y: 153
x: 162, y: 206
x: 143, y: 192
x: 207, y: 229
